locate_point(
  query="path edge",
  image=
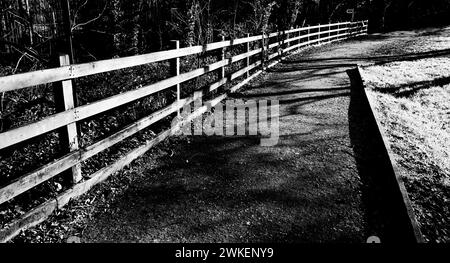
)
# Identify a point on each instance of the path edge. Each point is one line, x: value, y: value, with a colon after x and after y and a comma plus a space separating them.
x: 358, y: 82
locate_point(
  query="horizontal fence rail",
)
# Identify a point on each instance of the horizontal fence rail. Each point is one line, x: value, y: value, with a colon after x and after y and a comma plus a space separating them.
x: 272, y: 46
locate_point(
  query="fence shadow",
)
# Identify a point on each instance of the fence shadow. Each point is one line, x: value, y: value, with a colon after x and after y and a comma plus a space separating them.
x: 408, y: 89
x: 329, y: 66
x: 378, y: 60
x: 288, y: 92
x: 205, y: 190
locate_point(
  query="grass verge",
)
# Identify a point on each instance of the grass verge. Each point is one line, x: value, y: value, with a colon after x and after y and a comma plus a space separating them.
x: 413, y: 101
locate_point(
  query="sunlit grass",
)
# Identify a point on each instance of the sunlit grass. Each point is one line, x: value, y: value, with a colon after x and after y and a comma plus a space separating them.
x: 412, y: 100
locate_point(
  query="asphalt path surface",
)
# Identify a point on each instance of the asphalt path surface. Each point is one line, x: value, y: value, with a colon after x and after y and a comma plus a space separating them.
x: 315, y: 185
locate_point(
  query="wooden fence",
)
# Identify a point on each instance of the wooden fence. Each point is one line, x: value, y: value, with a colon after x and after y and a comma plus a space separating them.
x: 279, y: 42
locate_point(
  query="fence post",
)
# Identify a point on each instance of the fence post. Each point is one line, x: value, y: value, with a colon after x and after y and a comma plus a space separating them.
x: 329, y: 33
x: 338, y: 31
x: 247, y: 60
x: 352, y: 29
x: 287, y: 38
x: 348, y: 31
x: 222, y: 57
x: 309, y: 32
x: 175, y: 71
x: 65, y: 100
x: 318, y: 35
x: 262, y: 52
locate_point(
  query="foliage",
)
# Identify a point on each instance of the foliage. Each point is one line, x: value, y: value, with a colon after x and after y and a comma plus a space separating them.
x: 103, y: 28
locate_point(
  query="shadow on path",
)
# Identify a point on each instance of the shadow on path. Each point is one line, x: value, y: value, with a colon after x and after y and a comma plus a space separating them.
x: 219, y: 189
x: 287, y: 92
x: 326, y: 181
x: 376, y: 59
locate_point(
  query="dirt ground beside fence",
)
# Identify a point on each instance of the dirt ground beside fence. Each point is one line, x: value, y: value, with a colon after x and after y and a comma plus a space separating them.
x: 316, y: 185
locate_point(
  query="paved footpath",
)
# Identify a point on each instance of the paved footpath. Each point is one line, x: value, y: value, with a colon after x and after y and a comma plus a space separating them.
x: 311, y: 187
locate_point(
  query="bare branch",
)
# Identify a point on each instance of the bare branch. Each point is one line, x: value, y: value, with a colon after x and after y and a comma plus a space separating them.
x: 18, y: 63
x: 75, y: 16
x: 92, y: 20
x: 22, y: 49
x: 336, y: 9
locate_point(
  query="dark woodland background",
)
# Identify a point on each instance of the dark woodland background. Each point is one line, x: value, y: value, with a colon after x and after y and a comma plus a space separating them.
x: 107, y: 28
